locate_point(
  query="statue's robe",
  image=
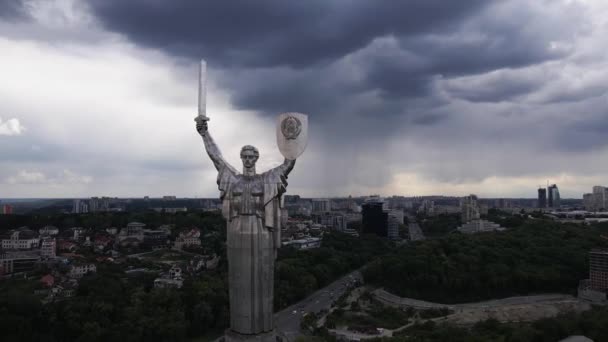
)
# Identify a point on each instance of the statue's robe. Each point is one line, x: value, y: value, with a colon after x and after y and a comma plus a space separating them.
x: 252, y: 208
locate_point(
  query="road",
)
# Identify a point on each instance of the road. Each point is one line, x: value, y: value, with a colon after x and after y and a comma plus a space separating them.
x: 391, y: 299
x: 415, y: 231
x: 288, y: 320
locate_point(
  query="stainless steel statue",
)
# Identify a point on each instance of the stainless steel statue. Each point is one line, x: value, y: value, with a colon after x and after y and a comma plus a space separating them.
x: 251, y: 204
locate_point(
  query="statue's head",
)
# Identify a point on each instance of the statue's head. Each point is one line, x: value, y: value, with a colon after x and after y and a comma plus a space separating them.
x: 249, y: 156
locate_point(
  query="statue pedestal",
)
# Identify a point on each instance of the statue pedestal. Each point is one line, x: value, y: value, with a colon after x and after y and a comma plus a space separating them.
x: 271, y: 336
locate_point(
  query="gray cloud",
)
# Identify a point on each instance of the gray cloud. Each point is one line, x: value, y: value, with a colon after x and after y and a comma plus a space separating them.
x: 274, y: 33
x: 280, y: 55
x: 452, y: 91
x: 12, y: 10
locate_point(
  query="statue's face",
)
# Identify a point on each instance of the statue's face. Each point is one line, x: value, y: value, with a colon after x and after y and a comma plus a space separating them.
x: 249, y: 158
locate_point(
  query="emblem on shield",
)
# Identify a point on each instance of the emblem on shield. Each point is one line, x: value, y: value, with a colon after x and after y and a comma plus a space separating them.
x: 292, y: 134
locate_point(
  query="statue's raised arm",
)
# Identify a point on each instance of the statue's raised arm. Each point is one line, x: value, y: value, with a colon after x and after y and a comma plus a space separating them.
x: 287, y: 166
x: 212, y: 150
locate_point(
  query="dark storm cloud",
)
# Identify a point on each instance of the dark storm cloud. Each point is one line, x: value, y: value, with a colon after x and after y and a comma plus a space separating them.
x: 12, y: 9
x: 277, y: 55
x: 274, y: 33
x: 502, y: 85
x: 585, y: 129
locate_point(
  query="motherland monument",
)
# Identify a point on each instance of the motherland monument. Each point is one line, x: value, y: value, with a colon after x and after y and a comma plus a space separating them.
x: 251, y: 205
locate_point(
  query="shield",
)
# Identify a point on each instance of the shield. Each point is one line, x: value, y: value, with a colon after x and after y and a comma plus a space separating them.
x: 292, y: 134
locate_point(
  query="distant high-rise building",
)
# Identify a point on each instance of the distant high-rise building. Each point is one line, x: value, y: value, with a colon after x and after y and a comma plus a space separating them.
x: 395, y: 220
x: 553, y: 196
x: 600, y: 197
x: 542, y: 198
x: 321, y: 205
x: 94, y: 204
x: 375, y: 218
x: 469, y: 209
x: 105, y: 204
x: 589, y: 202
x: 76, y: 206
x: 597, y: 200
x: 598, y: 269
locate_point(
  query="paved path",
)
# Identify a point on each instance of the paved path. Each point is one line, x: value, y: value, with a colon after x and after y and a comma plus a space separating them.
x: 391, y: 299
x: 288, y: 320
x: 415, y: 231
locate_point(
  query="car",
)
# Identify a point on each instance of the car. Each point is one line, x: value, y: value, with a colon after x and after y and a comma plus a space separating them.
x: 294, y: 312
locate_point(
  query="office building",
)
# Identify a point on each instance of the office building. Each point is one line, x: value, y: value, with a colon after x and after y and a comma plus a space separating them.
x: 375, y: 218
x: 589, y: 202
x: 18, y: 262
x: 598, y: 269
x: 395, y: 220
x: 595, y: 289
x: 542, y: 198
x: 321, y: 205
x: 553, y: 199
x: 80, y: 207
x: 94, y: 204
x: 22, y: 238
x: 333, y: 220
x: 469, y: 209
x: 597, y: 200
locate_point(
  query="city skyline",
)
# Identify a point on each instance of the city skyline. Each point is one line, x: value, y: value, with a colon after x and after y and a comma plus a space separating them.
x: 440, y: 99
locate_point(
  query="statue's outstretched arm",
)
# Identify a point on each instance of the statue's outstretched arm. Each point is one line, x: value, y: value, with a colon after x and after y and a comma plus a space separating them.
x: 287, y: 166
x: 212, y: 150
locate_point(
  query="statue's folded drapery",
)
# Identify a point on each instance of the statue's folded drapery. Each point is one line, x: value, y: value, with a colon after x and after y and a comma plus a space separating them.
x: 252, y: 208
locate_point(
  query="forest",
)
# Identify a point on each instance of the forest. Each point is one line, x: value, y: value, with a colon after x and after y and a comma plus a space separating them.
x: 536, y: 257
x: 109, y: 306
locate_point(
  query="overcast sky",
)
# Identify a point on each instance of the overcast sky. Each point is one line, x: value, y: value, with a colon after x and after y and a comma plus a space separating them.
x: 413, y: 97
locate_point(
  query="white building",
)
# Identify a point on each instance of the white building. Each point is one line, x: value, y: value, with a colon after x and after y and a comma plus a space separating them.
x: 597, y: 200
x: 49, y: 231
x: 133, y: 231
x: 79, y: 270
x: 469, y: 208
x: 306, y: 243
x: 80, y: 207
x: 190, y: 238
x: 22, y: 238
x: 478, y: 226
x: 171, y: 280
x: 48, y: 246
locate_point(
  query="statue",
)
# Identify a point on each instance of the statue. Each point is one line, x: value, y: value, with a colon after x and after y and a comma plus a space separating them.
x: 251, y: 205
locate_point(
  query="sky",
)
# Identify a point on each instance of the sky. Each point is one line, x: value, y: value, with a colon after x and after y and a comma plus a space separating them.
x: 416, y: 97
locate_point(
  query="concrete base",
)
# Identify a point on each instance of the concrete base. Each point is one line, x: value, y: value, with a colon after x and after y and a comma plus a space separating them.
x: 271, y: 336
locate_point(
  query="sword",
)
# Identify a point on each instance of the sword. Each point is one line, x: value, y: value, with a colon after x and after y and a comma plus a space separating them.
x: 202, y: 92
